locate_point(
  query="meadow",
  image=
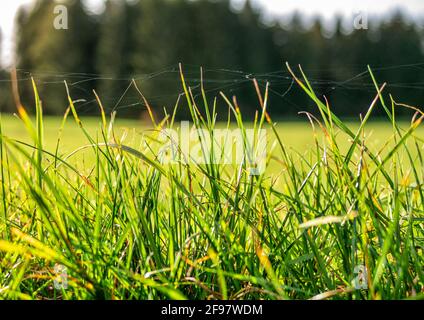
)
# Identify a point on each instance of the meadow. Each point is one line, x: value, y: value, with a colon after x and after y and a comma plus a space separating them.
x: 297, y: 135
x: 90, y: 211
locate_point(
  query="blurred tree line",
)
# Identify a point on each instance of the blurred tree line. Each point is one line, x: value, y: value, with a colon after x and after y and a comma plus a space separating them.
x: 146, y: 40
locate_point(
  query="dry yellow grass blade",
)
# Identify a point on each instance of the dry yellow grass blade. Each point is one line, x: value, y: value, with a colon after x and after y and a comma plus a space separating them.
x: 328, y: 220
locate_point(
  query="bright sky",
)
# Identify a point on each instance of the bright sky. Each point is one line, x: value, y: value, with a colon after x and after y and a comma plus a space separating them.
x: 325, y: 8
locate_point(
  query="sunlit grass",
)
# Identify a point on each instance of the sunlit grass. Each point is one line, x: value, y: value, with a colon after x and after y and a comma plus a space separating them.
x: 336, y: 196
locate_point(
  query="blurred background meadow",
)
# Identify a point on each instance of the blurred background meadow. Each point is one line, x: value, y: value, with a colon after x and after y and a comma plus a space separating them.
x: 107, y: 44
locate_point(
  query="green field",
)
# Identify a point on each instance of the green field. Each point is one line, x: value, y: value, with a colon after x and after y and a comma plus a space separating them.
x: 337, y: 214
x: 298, y: 135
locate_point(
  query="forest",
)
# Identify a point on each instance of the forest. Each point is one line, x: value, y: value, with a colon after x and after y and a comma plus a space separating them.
x: 146, y: 40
